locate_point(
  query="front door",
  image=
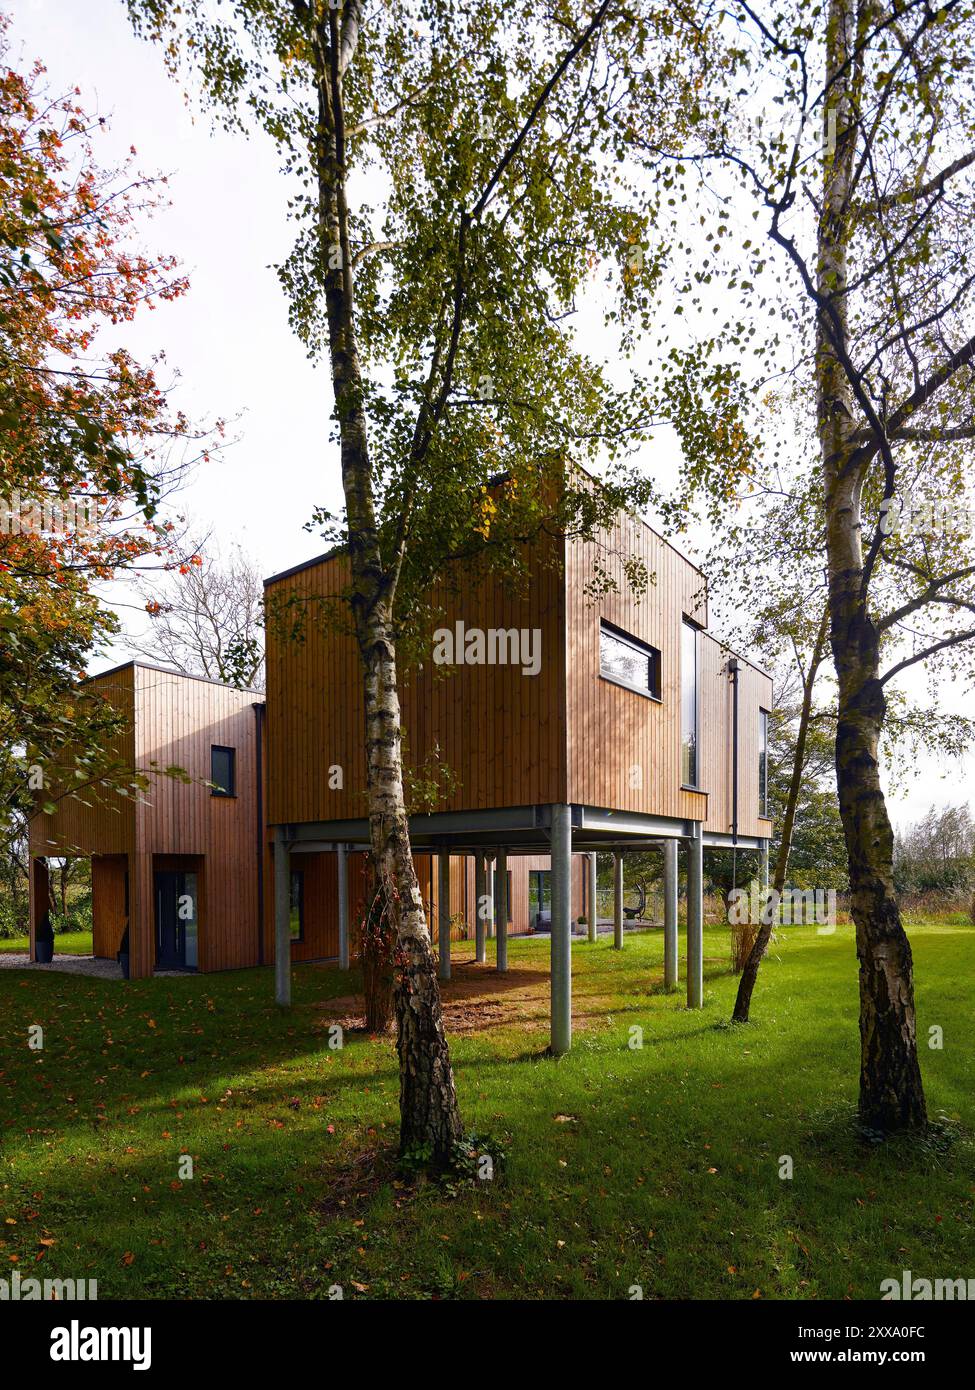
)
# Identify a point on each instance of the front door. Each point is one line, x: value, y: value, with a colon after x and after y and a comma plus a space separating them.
x: 176, y: 920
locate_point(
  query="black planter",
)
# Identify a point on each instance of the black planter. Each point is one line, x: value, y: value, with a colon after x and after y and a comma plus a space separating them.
x: 44, y: 950
x: 123, y: 960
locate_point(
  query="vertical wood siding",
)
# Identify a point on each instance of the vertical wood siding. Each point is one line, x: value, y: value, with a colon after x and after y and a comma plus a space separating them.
x: 108, y: 912
x: 509, y: 739
x: 96, y: 819
x: 177, y: 719
x: 617, y: 736
x: 501, y: 733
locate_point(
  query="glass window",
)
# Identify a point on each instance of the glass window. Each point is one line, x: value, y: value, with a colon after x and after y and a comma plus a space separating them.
x: 763, y: 762
x: 188, y: 900
x: 539, y: 898
x: 297, y: 905
x: 688, y: 705
x: 628, y: 661
x: 222, y: 771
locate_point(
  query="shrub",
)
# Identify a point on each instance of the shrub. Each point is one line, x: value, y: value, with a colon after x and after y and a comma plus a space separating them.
x: 743, y: 936
x: 78, y: 917
x: 13, y: 918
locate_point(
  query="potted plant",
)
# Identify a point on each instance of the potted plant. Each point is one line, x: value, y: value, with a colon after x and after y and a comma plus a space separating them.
x: 44, y: 941
x: 123, y: 954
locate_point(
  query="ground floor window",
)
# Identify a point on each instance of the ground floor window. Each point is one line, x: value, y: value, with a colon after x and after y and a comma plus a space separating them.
x: 539, y: 898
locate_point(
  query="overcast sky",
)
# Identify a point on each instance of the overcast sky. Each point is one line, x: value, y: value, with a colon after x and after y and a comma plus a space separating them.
x: 229, y: 338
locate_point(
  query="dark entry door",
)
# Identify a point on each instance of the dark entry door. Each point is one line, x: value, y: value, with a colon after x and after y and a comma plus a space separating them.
x: 176, y: 920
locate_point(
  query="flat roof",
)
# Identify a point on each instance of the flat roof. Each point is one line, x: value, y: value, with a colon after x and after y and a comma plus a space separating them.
x: 170, y: 671
x: 306, y: 565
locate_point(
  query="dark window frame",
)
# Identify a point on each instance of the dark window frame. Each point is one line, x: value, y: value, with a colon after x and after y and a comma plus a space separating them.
x: 763, y: 727
x: 216, y: 787
x: 653, y: 691
x: 296, y: 879
x: 695, y: 784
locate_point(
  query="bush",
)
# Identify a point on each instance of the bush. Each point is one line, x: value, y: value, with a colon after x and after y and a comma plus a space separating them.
x: 935, y: 907
x: 13, y: 918
x: 743, y: 936
x: 78, y: 917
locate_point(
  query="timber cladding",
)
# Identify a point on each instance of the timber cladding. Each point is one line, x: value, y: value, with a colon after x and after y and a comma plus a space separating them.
x: 173, y: 824
x: 178, y: 719
x: 717, y: 740
x: 565, y: 734
x: 624, y: 746
x: 109, y: 902
x: 95, y: 818
x: 499, y: 733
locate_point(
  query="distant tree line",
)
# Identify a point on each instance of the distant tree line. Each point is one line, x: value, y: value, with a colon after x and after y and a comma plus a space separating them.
x: 937, y: 853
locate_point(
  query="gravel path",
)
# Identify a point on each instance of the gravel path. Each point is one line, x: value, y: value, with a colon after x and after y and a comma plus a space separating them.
x: 68, y: 965
x: 78, y: 965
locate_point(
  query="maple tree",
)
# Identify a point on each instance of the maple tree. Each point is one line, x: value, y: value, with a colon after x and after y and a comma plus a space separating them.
x: 89, y: 444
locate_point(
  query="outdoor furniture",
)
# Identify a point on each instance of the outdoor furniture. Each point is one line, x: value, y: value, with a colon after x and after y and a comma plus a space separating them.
x: 633, y: 914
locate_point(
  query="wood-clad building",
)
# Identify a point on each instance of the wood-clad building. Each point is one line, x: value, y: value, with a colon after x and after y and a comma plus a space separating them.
x: 568, y: 733
x: 570, y: 718
x: 178, y: 861
x: 561, y: 703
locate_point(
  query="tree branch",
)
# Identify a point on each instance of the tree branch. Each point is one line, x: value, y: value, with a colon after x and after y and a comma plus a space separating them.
x: 933, y: 185
x: 955, y: 641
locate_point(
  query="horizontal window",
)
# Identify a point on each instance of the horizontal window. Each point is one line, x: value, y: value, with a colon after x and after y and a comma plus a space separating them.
x: 628, y: 661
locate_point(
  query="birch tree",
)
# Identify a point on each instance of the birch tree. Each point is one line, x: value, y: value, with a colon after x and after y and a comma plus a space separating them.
x: 459, y: 178
x: 847, y: 145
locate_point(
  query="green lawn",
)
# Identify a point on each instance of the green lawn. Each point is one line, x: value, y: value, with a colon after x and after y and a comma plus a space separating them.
x: 69, y: 943
x: 657, y: 1166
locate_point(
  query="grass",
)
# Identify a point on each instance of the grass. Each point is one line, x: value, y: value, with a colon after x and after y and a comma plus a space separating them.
x: 69, y: 943
x: 657, y: 1166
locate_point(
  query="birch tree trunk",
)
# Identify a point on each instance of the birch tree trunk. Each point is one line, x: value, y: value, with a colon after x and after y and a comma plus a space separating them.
x: 429, y: 1113
x: 891, y: 1094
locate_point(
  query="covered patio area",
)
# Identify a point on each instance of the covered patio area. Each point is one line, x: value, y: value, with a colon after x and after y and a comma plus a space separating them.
x: 492, y: 837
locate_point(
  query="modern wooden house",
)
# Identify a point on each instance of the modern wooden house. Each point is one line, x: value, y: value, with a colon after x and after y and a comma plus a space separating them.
x: 570, y: 726
x: 179, y: 864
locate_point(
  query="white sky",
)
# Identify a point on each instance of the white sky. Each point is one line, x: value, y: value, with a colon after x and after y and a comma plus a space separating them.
x: 229, y: 337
